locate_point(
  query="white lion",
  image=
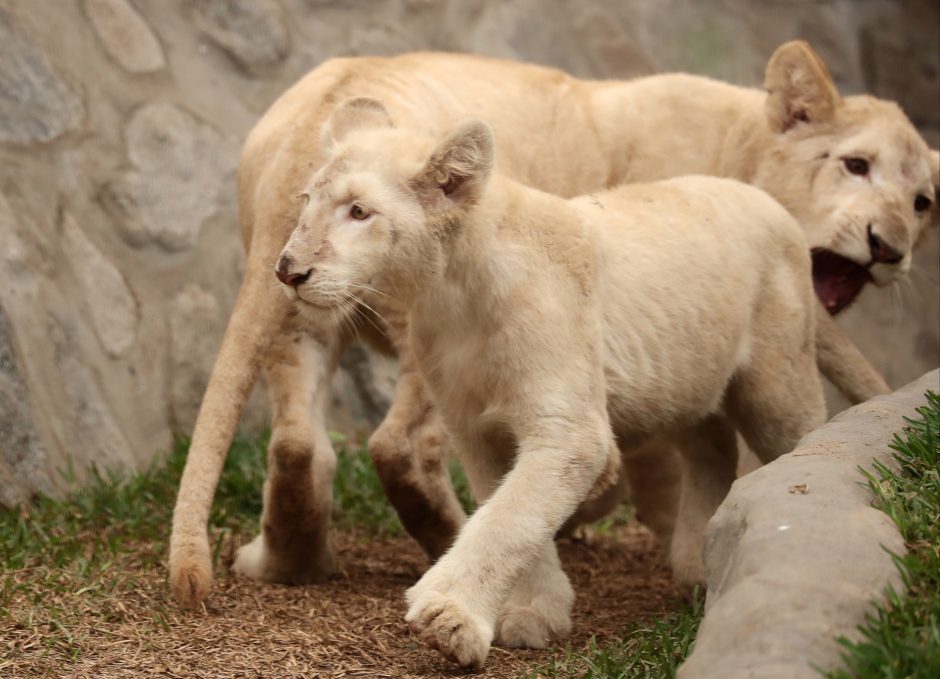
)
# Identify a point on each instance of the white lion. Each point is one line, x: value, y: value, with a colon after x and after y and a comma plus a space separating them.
x: 532, y: 318
x: 852, y: 170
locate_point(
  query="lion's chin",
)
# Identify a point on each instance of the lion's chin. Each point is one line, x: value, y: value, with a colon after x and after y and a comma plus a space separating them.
x: 320, y: 312
x: 837, y: 279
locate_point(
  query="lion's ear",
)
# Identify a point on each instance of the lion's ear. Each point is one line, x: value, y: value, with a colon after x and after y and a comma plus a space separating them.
x: 457, y: 170
x: 799, y: 87
x: 352, y: 114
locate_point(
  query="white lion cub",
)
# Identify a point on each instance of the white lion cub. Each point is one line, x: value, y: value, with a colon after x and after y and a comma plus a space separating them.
x: 547, y: 328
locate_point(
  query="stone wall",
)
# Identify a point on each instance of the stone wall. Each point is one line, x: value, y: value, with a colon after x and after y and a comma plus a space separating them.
x: 120, y: 126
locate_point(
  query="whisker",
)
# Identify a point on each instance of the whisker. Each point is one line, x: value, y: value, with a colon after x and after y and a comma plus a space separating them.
x: 897, y: 302
x: 349, y: 314
x: 921, y: 271
x: 370, y: 289
x: 366, y: 316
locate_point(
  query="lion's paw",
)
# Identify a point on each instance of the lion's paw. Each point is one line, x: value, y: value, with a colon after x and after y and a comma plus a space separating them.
x: 688, y: 567
x: 249, y: 560
x: 256, y: 561
x: 443, y: 624
x: 191, y: 575
x: 527, y: 627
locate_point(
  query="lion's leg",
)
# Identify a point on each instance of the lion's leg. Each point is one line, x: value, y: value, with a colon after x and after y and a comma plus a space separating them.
x: 649, y: 479
x: 773, y: 407
x: 294, y: 544
x: 538, y: 611
x: 841, y: 361
x: 597, y: 508
x: 707, y: 463
x: 258, y: 313
x: 456, y: 604
x: 653, y: 471
x: 408, y: 450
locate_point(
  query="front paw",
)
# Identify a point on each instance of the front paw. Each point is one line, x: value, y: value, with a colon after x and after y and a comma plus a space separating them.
x: 444, y: 624
x: 191, y: 572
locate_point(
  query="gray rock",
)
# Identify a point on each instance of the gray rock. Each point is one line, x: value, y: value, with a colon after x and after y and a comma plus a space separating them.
x: 98, y: 437
x: 112, y: 305
x: 195, y: 325
x: 159, y: 153
x: 125, y: 35
x: 252, y: 32
x: 371, y: 383
x: 796, y: 555
x: 22, y: 458
x: 36, y: 105
x: 177, y: 179
x: 900, y: 58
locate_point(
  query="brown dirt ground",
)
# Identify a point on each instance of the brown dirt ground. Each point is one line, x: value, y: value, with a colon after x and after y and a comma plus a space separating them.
x: 349, y: 627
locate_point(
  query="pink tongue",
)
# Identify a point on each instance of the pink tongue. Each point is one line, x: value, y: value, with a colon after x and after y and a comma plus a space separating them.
x: 837, y: 280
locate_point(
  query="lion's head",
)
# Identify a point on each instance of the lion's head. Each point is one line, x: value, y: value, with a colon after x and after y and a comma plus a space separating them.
x: 852, y: 170
x: 378, y: 210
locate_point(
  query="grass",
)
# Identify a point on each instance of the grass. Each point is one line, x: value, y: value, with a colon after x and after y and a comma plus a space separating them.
x: 97, y: 541
x: 901, y: 639
x: 117, y: 525
x: 72, y: 568
x: 112, y: 510
x: 650, y: 650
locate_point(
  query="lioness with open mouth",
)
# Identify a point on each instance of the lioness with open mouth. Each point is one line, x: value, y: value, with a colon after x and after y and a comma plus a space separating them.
x: 534, y: 319
x: 852, y: 170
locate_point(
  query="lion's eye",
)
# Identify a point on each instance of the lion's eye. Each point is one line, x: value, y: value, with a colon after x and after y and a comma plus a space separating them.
x: 922, y: 203
x: 359, y: 212
x: 857, y: 166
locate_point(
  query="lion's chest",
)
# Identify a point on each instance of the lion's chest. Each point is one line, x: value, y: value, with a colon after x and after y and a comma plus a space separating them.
x: 466, y: 368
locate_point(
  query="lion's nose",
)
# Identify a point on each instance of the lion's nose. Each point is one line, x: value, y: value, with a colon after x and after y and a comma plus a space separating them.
x: 288, y: 277
x: 881, y: 252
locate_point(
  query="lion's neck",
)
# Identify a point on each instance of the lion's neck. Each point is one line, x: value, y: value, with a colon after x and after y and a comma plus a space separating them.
x: 672, y: 125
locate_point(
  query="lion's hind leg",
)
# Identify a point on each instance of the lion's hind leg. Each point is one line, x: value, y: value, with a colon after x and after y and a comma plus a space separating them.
x: 777, y: 397
x: 293, y: 546
x: 708, y: 460
x: 538, y: 611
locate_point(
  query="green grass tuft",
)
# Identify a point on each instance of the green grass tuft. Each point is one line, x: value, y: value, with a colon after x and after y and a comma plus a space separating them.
x: 98, y: 541
x: 901, y: 639
x: 650, y: 650
x: 112, y: 511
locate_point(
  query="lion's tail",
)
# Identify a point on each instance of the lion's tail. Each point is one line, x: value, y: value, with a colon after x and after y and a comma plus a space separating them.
x: 257, y: 316
x: 843, y: 364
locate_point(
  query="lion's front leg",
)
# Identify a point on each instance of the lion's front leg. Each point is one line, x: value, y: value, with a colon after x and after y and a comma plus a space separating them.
x: 455, y: 606
x: 294, y: 546
x: 409, y: 454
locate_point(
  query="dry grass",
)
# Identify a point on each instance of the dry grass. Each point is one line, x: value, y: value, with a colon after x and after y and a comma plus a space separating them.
x: 83, y: 589
x: 123, y: 624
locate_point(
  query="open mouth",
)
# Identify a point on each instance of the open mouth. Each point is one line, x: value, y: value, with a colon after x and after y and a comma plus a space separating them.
x: 837, y: 279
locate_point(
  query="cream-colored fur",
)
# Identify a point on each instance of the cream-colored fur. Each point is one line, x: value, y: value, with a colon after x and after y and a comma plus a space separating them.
x: 554, y: 132
x: 533, y: 319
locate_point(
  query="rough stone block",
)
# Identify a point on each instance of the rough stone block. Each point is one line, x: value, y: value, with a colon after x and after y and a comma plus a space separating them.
x: 125, y: 35
x: 36, y: 105
x: 796, y: 555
